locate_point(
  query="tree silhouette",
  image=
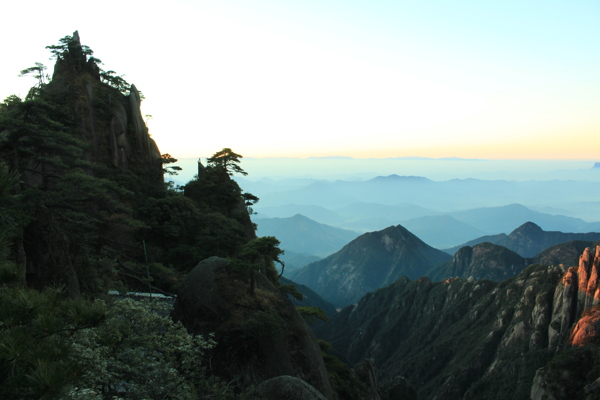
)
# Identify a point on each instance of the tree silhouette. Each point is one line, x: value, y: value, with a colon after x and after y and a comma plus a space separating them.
x: 228, y: 161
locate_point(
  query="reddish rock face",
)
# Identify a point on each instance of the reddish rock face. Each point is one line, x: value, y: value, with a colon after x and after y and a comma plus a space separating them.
x: 587, y: 329
x: 588, y: 275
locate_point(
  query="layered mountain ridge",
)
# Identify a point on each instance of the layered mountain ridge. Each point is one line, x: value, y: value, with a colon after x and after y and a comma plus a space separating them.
x: 530, y: 239
x: 460, y: 338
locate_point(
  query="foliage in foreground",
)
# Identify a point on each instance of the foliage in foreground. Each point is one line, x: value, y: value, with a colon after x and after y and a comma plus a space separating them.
x: 36, y: 330
x: 140, y: 353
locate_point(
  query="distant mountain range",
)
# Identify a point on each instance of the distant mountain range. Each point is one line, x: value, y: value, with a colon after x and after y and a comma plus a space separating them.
x: 295, y: 261
x: 448, y: 231
x: 529, y: 239
x: 300, y: 234
x: 376, y: 259
x: 448, y: 196
x: 489, y: 206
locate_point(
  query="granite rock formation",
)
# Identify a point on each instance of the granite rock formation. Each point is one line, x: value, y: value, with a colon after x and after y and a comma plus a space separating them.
x: 578, y: 291
x: 259, y: 337
x: 110, y: 121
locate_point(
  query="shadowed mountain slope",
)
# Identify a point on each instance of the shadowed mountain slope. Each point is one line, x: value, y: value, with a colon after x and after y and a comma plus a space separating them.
x: 369, y: 262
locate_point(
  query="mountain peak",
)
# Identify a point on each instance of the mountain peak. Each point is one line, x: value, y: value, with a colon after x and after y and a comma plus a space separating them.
x: 528, y: 227
x: 369, y: 262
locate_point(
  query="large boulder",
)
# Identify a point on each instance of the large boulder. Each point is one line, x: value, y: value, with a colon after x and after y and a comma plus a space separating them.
x: 259, y: 336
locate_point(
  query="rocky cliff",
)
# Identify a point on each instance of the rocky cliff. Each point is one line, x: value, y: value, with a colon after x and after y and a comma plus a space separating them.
x: 84, y: 160
x: 460, y: 339
x: 259, y: 337
x: 109, y: 120
x: 577, y: 292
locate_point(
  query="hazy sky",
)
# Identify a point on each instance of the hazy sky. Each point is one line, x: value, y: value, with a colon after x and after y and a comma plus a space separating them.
x: 464, y: 78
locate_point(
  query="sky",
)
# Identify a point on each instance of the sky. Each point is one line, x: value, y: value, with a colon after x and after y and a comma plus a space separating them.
x: 365, y: 79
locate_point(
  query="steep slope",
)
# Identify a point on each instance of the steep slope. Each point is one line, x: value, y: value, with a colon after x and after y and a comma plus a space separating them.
x: 459, y: 338
x: 303, y: 235
x: 371, y: 261
x: 482, y: 261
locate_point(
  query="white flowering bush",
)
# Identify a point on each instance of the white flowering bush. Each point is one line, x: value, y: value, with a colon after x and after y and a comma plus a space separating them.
x: 140, y: 353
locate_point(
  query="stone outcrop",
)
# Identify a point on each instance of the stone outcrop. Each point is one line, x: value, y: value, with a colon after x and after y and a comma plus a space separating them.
x: 577, y: 291
x: 110, y: 122
x: 587, y: 329
x: 93, y: 129
x: 259, y: 337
